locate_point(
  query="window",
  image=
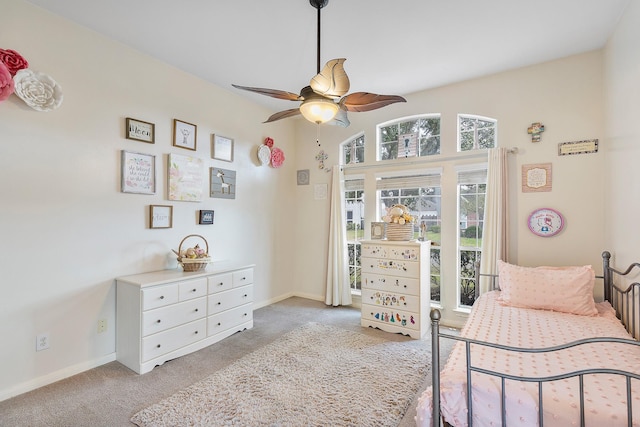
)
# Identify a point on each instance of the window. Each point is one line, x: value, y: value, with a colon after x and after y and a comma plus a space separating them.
x: 419, y: 136
x: 353, y: 151
x: 472, y: 189
x: 422, y: 195
x: 354, y: 209
x: 475, y: 132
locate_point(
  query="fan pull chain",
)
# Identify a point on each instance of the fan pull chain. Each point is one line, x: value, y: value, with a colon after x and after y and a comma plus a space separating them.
x: 317, y: 132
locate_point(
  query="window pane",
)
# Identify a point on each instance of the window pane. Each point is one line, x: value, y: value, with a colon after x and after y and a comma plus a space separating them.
x: 475, y: 133
x: 435, y: 274
x: 471, y: 200
x: 354, y: 214
x: 425, y: 132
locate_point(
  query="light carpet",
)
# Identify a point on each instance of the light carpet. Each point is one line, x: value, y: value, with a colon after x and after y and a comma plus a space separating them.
x: 315, y: 375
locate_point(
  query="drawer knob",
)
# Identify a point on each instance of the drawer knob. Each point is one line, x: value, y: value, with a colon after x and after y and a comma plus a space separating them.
x: 158, y: 346
x: 405, y: 286
x: 245, y: 314
x: 220, y: 284
x: 245, y: 295
x: 196, y: 332
x: 219, y: 303
x: 196, y: 309
x: 194, y: 289
x: 161, y: 296
x: 244, y: 278
x: 219, y: 323
x: 158, y: 321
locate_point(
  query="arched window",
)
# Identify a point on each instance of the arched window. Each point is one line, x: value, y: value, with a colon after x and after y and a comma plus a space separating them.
x: 415, y: 136
x: 476, y: 132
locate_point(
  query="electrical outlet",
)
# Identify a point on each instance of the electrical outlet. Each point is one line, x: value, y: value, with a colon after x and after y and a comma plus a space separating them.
x: 102, y: 326
x: 42, y: 341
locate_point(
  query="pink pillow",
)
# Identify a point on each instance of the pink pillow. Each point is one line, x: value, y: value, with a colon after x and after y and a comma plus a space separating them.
x: 566, y: 289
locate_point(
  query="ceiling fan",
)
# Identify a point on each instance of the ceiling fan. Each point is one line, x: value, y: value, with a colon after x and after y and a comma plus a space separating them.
x: 321, y: 100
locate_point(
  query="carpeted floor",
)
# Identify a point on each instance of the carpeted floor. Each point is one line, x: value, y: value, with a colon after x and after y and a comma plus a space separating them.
x: 111, y: 394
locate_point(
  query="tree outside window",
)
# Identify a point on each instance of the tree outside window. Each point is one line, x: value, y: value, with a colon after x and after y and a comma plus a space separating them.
x: 416, y: 137
x: 475, y: 132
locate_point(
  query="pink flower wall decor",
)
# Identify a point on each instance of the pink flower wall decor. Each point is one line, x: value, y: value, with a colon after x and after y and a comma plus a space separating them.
x: 6, y: 83
x: 277, y: 157
x: 13, y: 61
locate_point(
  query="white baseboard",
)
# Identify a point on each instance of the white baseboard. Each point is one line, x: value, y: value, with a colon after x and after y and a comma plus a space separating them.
x: 55, y: 376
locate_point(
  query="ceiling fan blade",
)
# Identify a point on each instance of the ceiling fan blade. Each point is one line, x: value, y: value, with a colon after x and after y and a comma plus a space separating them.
x: 365, y: 101
x: 283, y: 115
x: 274, y: 93
x: 332, y: 81
x: 340, y: 119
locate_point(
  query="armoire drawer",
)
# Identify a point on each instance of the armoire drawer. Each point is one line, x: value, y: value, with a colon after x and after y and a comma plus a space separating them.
x: 390, y: 267
x: 220, y: 282
x: 160, y: 319
x: 394, y: 300
x: 159, y: 296
x: 242, y: 277
x: 172, y: 339
x: 395, y: 252
x: 228, y: 319
x: 405, y: 285
x: 192, y: 289
x: 222, y: 301
x: 391, y: 316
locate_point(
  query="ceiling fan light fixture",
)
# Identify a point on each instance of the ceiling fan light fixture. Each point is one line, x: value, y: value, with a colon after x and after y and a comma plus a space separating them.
x: 319, y: 110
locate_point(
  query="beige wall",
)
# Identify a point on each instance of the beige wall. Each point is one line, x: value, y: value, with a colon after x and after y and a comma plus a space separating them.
x: 67, y: 231
x: 622, y: 89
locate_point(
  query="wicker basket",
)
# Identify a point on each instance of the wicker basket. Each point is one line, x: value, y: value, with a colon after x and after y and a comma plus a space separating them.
x: 193, y: 264
x: 399, y: 231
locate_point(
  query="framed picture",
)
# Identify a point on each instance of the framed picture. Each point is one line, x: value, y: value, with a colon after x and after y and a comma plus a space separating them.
x: 377, y: 230
x: 222, y: 148
x: 184, y: 134
x: 223, y: 183
x: 536, y: 178
x: 303, y: 177
x: 160, y: 216
x: 140, y: 131
x: 206, y: 217
x: 138, y: 173
x: 186, y: 178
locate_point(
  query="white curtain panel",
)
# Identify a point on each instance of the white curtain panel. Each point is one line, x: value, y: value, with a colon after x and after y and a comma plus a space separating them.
x: 495, y: 235
x: 338, y: 290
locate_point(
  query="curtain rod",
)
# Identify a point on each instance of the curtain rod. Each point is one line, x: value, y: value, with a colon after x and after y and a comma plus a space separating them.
x: 424, y: 161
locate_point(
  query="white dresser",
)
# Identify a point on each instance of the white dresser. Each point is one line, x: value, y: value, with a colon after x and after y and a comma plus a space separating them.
x: 395, y: 286
x: 166, y: 314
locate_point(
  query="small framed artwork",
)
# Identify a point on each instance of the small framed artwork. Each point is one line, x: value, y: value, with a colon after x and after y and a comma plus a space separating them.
x: 138, y: 173
x: 160, y: 216
x: 186, y: 178
x: 223, y: 183
x: 377, y: 230
x: 222, y: 148
x: 303, y: 177
x: 184, y: 134
x: 140, y: 131
x: 536, y: 178
x: 205, y: 217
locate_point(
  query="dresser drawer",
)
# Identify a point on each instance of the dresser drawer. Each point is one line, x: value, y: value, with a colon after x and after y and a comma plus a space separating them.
x: 391, y: 267
x: 390, y: 252
x: 229, y: 299
x: 158, y: 344
x: 160, y: 319
x: 220, y: 282
x: 391, y: 316
x: 391, y: 300
x: 229, y: 319
x: 405, y: 285
x: 159, y: 296
x: 192, y: 289
x: 242, y: 277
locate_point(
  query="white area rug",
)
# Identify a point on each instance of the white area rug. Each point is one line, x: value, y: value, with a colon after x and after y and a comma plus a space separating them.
x: 315, y: 375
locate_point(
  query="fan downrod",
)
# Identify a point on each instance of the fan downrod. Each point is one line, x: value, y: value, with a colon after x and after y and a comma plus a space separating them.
x: 318, y: 4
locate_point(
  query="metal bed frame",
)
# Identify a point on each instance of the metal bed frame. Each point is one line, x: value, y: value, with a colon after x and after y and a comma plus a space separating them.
x: 625, y: 302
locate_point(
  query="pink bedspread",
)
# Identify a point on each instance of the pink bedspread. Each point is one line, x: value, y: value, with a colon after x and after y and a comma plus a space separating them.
x: 605, y: 395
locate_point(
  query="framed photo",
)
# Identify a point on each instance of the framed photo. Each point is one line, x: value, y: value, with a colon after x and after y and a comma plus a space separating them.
x: 206, y: 217
x: 138, y: 173
x: 377, y: 230
x: 222, y: 148
x: 303, y: 177
x: 160, y: 216
x: 184, y: 134
x: 223, y: 183
x: 140, y: 131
